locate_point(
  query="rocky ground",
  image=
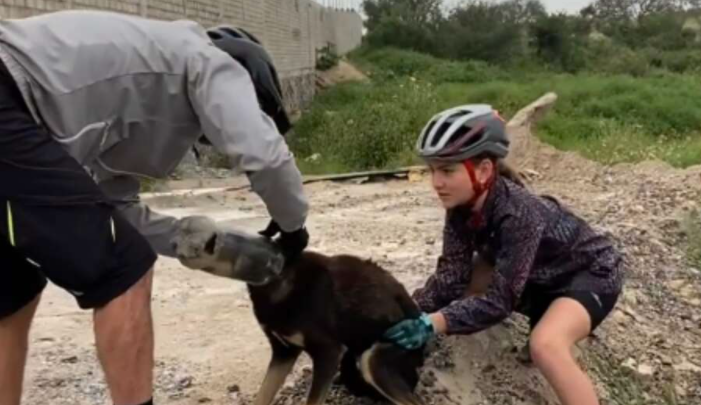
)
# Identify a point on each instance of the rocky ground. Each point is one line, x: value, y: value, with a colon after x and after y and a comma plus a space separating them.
x: 210, y: 349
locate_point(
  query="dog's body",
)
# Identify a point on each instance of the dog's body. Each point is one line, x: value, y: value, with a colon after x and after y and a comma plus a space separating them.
x: 336, y: 309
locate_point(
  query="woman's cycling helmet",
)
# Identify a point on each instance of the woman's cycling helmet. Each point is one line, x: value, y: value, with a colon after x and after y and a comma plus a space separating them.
x: 464, y: 132
x: 249, y: 52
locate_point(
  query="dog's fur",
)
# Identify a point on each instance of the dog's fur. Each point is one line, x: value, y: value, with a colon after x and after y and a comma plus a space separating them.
x: 336, y: 309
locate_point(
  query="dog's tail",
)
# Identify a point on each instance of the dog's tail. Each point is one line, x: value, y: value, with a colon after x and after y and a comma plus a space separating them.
x: 393, y: 372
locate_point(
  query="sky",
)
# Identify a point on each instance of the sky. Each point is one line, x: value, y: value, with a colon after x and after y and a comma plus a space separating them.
x: 570, y: 6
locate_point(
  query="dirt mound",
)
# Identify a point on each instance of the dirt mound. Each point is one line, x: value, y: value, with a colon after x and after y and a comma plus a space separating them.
x: 650, y: 348
x: 341, y: 73
x: 452, y: 375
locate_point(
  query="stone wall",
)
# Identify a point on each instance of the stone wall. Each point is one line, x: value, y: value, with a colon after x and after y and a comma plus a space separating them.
x: 292, y: 30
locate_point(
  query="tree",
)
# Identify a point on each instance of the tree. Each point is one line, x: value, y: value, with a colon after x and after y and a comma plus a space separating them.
x: 480, y: 30
x: 489, y: 31
x: 640, y: 23
x: 559, y: 40
x: 415, y: 12
x: 630, y: 10
x: 408, y: 24
x: 523, y: 11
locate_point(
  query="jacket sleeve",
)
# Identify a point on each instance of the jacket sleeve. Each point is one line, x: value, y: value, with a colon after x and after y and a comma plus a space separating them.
x: 224, y: 99
x: 520, y: 236
x: 158, y: 229
x: 453, y: 271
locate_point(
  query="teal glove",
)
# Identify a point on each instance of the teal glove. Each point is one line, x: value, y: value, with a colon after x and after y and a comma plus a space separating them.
x: 411, y: 333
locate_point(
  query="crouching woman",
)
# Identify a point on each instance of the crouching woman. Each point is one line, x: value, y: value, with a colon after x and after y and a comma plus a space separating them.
x: 549, y: 264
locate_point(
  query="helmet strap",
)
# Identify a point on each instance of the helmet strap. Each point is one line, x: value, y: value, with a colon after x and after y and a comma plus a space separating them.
x: 479, y: 189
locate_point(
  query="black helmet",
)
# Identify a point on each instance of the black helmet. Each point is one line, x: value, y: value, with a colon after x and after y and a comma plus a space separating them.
x: 249, y: 52
x: 462, y: 133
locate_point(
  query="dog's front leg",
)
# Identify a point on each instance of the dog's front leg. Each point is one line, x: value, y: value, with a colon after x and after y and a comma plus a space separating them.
x: 326, y: 360
x: 284, y: 358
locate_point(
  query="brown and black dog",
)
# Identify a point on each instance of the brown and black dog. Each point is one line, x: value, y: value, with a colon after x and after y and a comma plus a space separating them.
x: 336, y: 309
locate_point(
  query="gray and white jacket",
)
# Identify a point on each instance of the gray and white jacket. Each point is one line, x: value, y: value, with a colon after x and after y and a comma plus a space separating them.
x: 127, y: 97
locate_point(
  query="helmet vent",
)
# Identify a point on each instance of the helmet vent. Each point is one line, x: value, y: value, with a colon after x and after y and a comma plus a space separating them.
x: 428, y: 131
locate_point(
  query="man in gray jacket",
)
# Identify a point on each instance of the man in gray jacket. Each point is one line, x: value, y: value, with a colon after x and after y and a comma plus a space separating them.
x: 89, y: 101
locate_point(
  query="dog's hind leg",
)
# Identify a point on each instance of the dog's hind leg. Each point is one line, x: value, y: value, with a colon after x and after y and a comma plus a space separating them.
x: 352, y: 379
x: 325, y: 360
x: 393, y: 372
x: 282, y: 362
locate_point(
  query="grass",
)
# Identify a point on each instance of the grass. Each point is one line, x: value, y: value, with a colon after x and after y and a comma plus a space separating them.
x: 149, y: 185
x: 360, y: 126
x: 625, y: 387
x: 608, y: 118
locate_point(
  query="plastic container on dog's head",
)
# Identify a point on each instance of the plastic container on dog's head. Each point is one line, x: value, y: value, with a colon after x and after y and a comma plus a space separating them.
x: 202, y: 245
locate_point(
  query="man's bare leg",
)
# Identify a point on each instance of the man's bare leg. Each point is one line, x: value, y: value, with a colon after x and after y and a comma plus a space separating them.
x: 124, y: 337
x: 14, y: 342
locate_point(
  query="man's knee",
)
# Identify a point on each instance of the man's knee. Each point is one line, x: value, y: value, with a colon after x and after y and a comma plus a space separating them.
x: 139, y: 292
x: 22, y: 318
x: 144, y: 286
x: 145, y: 283
x: 131, y: 310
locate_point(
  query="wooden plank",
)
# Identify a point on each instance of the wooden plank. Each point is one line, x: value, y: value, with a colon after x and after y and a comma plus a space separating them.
x: 355, y: 175
x: 352, y: 175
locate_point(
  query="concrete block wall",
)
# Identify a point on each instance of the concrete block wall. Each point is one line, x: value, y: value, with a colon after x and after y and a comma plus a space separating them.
x: 292, y: 30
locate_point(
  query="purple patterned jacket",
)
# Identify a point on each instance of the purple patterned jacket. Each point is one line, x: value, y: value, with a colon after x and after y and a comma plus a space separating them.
x: 534, y: 242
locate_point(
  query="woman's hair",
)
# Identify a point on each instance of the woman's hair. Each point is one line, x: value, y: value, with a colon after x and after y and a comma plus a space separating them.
x: 503, y: 169
x: 509, y: 172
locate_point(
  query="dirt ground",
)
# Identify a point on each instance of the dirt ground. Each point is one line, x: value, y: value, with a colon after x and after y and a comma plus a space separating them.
x: 343, y: 72
x: 210, y: 350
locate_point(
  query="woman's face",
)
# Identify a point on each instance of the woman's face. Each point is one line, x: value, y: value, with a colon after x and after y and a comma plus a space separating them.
x: 452, y: 183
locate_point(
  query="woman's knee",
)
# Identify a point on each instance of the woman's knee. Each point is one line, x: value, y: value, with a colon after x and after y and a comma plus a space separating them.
x: 547, y: 349
x: 564, y: 324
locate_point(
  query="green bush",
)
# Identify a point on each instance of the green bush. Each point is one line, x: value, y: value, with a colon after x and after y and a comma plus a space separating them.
x: 479, y: 34
x: 662, y: 31
x: 327, y: 58
x: 387, y: 63
x: 556, y: 40
x: 606, y: 57
x: 681, y: 61
x: 362, y: 126
x: 393, y: 62
x: 521, y: 32
x: 507, y: 97
x: 609, y: 118
x: 624, y: 119
x: 393, y: 32
x: 464, y: 72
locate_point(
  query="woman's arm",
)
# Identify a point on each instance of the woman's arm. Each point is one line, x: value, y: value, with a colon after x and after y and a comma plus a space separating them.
x: 453, y: 271
x: 520, y: 237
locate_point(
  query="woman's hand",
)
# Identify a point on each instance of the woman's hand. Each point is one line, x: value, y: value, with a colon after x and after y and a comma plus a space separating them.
x: 440, y: 325
x: 414, y: 333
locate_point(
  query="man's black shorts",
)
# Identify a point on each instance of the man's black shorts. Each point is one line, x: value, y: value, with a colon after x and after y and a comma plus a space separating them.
x: 55, y: 223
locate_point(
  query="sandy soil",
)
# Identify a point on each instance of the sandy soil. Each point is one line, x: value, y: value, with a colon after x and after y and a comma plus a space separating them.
x: 210, y: 350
